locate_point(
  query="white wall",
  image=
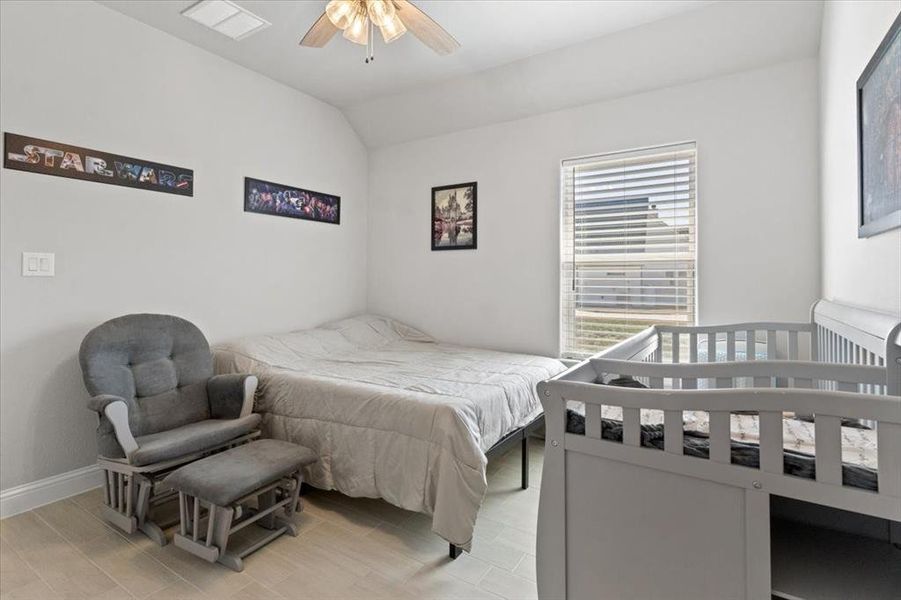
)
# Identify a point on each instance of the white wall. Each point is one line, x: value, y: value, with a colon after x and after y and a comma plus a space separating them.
x: 757, y: 201
x: 865, y: 271
x: 79, y: 73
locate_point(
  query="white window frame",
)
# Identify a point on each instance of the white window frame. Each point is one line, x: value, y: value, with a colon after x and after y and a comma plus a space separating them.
x: 563, y: 279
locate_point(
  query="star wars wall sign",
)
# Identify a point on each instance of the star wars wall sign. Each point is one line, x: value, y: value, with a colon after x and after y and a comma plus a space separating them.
x: 52, y: 158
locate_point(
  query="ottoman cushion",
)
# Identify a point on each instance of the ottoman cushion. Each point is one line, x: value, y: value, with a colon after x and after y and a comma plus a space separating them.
x: 233, y: 474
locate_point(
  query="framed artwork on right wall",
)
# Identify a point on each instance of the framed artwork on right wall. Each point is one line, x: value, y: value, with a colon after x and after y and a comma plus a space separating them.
x: 879, y: 138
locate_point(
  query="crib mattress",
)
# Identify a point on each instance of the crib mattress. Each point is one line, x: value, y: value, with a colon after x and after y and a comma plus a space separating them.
x: 858, y: 445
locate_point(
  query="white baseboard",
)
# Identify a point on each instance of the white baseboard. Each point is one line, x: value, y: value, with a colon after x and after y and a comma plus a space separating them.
x: 25, y: 497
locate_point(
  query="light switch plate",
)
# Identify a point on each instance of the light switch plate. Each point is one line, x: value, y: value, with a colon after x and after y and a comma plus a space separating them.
x: 38, y: 264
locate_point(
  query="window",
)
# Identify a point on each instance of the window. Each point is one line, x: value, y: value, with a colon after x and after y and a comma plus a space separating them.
x: 627, y: 245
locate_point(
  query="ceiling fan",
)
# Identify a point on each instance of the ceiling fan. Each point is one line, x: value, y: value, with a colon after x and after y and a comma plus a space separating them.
x: 359, y: 18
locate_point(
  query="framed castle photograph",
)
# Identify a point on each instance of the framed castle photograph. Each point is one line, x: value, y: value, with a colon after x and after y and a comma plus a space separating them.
x: 454, y: 216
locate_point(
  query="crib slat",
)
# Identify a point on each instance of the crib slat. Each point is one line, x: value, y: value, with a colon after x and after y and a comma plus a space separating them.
x: 720, y: 442
x: 631, y: 426
x: 828, y: 443
x: 750, y: 345
x: 771, y: 344
x: 888, y: 440
x: 836, y: 348
x: 792, y: 345
x: 711, y: 347
x: 771, y: 441
x: 655, y: 383
x: 730, y: 346
x: 672, y: 431
x: 868, y: 360
x: 676, y: 346
x: 693, y: 347
x: 593, y: 421
x: 723, y: 382
x: 803, y: 382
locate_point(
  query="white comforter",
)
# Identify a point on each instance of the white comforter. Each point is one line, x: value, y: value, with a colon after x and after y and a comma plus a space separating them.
x: 392, y: 413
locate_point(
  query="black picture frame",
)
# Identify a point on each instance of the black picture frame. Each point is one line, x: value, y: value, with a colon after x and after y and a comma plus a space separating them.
x: 890, y: 216
x: 437, y: 236
x: 254, y: 187
x: 34, y: 155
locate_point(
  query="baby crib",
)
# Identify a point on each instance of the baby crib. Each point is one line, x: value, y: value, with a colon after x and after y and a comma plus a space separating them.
x: 621, y: 519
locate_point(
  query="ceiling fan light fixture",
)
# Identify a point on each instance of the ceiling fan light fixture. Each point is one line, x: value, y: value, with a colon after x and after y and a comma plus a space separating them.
x: 358, y: 29
x: 392, y: 29
x: 341, y: 12
x: 380, y: 11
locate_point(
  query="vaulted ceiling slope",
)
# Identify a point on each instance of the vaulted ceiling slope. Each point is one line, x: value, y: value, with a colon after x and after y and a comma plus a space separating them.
x: 492, y: 33
x: 723, y: 38
x: 517, y: 58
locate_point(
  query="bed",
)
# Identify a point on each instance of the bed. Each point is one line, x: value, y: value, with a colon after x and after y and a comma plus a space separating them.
x: 392, y: 413
x: 663, y: 461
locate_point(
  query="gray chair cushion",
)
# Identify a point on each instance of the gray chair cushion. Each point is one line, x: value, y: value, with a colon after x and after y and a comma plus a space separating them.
x: 228, y: 476
x: 160, y: 361
x: 190, y: 438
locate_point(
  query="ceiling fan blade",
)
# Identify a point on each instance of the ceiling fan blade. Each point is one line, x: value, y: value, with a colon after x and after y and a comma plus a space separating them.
x: 320, y: 33
x: 425, y: 29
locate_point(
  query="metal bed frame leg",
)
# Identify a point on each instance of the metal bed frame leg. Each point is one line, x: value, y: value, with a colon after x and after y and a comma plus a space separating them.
x: 502, y: 447
x: 525, y: 462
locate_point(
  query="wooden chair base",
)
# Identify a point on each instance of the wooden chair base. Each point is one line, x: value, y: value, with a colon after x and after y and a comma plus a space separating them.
x: 130, y: 493
x: 205, y: 528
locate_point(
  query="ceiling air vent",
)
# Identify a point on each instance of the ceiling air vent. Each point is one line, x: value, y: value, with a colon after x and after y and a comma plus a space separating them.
x: 226, y: 17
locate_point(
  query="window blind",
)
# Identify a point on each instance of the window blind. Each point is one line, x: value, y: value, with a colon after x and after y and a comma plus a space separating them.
x: 628, y: 241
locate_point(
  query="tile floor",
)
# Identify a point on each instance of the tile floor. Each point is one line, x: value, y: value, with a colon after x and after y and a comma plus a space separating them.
x: 347, y: 548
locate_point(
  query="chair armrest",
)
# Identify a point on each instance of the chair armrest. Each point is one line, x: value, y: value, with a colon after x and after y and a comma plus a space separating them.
x: 231, y: 396
x: 115, y: 409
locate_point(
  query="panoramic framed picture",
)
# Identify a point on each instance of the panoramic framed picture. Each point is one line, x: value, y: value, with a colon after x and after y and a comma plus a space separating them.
x: 25, y: 153
x: 879, y: 138
x: 454, y: 216
x: 269, y: 198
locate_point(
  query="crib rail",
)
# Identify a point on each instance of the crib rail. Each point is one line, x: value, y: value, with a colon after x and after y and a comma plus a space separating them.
x: 800, y: 374
x: 783, y: 340
x: 643, y: 346
x: 771, y: 404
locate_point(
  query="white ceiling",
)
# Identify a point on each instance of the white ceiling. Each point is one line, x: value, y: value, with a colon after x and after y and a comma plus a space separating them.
x: 723, y: 38
x: 491, y: 32
x: 518, y: 57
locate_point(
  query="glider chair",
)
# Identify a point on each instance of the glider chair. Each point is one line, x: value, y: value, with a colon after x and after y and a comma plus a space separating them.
x: 160, y: 407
